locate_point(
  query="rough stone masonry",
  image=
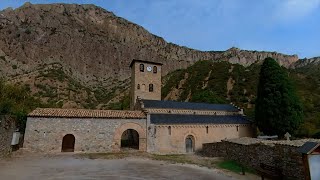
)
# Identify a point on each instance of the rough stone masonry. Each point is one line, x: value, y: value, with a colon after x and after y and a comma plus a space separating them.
x: 91, y: 134
x: 251, y: 152
x: 7, y: 127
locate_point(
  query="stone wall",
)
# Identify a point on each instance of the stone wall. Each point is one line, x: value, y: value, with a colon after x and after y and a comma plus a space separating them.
x: 7, y: 127
x: 217, y: 149
x: 91, y: 135
x: 278, y: 154
x: 160, y: 140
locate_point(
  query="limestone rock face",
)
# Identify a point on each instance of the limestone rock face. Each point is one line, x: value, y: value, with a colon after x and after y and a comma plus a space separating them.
x: 307, y: 62
x: 94, y: 46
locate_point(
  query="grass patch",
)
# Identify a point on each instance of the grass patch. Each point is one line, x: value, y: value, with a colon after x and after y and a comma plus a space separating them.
x: 111, y: 155
x: 173, y: 158
x: 187, y: 159
x: 234, y: 167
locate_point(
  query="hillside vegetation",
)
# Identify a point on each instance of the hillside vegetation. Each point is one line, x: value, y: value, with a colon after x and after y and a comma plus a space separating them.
x: 205, y: 81
x: 54, y: 88
x: 223, y: 82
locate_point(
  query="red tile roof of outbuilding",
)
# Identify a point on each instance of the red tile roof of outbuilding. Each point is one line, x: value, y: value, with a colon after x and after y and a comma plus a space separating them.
x: 87, y: 113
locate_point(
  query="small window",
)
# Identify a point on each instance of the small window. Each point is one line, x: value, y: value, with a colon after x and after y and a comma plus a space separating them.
x: 150, y: 87
x: 155, y: 70
x: 143, y: 88
x: 169, y: 130
x: 138, y: 87
x: 237, y: 128
x: 207, y: 129
x: 142, y: 67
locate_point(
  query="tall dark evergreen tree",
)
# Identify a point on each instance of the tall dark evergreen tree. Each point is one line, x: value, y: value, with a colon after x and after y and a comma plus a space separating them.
x: 278, y: 109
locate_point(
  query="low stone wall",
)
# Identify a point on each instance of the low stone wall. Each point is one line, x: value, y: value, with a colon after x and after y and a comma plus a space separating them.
x: 217, y: 149
x: 251, y: 152
x: 7, y: 127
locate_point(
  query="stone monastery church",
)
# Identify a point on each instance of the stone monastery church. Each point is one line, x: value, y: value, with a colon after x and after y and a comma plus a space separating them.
x: 151, y: 125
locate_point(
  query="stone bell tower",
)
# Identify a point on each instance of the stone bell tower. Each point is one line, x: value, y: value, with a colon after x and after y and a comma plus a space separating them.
x: 145, y: 81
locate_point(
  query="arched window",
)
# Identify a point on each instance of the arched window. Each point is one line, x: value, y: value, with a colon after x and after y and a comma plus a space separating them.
x: 150, y: 87
x: 142, y: 67
x: 143, y: 88
x: 155, y: 70
x: 207, y: 129
x: 169, y: 130
x: 138, y: 87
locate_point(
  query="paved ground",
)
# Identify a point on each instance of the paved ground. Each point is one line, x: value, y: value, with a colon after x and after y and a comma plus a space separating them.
x: 71, y: 168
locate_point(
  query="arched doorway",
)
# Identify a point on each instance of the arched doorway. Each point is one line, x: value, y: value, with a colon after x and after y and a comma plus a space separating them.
x: 190, y: 144
x: 141, y: 132
x: 68, y: 142
x: 130, y: 139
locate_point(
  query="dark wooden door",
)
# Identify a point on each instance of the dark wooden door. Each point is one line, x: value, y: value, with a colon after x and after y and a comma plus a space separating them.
x: 189, y: 145
x: 68, y: 142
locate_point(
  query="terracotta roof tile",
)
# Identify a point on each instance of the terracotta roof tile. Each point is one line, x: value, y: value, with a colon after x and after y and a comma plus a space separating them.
x: 86, y: 113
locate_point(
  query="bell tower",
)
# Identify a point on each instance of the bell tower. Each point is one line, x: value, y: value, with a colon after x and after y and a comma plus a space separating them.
x: 145, y: 81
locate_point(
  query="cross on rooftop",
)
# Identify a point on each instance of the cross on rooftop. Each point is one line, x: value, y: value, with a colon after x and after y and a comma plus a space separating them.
x: 287, y: 136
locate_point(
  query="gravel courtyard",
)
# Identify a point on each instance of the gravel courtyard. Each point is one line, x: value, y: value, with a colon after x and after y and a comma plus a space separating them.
x: 67, y: 166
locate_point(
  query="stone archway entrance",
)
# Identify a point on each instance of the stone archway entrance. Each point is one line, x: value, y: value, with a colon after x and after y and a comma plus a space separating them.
x: 130, y: 139
x: 189, y: 144
x: 122, y: 136
x: 68, y: 142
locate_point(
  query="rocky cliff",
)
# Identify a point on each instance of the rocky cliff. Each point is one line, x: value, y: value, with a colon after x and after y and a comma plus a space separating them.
x: 307, y: 62
x: 94, y: 46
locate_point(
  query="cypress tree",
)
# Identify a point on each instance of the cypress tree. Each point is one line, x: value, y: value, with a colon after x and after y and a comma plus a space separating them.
x: 278, y: 109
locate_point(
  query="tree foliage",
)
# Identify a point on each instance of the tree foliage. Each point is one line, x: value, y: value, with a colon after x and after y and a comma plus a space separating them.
x: 278, y: 109
x: 243, y: 93
x: 207, y: 96
x: 16, y: 101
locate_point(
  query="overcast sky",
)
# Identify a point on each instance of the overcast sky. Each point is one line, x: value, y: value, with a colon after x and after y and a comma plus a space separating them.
x: 287, y: 26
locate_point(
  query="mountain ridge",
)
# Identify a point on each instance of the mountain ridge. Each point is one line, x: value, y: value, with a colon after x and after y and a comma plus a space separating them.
x: 307, y: 62
x: 64, y: 50
x: 94, y: 45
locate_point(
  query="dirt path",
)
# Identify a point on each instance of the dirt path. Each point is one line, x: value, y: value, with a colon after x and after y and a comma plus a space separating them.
x: 71, y: 167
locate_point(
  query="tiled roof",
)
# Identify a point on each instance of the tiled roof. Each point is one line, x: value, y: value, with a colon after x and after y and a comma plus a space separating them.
x: 143, y: 61
x: 187, y: 105
x: 308, y: 147
x: 196, y: 119
x: 86, y: 113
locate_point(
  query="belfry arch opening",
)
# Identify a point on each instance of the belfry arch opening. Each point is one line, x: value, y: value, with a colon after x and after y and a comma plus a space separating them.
x: 68, y: 142
x: 130, y: 139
